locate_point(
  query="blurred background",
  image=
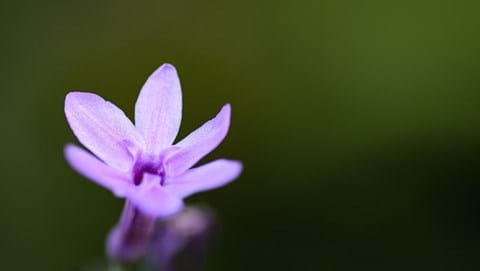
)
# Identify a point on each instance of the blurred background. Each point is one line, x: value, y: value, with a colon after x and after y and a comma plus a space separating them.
x: 358, y: 123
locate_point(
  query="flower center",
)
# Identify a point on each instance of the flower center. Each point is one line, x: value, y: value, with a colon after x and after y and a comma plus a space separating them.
x: 141, y: 167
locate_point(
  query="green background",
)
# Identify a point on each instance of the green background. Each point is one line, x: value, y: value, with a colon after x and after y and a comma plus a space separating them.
x: 358, y: 123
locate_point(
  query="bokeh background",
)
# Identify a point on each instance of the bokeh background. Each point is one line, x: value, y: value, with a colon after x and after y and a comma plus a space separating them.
x: 358, y: 123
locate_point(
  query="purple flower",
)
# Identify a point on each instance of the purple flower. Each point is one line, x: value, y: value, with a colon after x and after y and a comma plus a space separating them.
x: 139, y: 162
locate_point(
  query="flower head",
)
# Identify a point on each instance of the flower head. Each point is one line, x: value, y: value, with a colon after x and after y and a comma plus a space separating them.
x: 139, y: 162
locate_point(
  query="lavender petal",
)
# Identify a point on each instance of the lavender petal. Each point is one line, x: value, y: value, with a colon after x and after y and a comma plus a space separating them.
x: 158, y: 110
x: 210, y: 176
x: 199, y: 143
x: 102, y: 128
x: 95, y: 170
x: 154, y: 200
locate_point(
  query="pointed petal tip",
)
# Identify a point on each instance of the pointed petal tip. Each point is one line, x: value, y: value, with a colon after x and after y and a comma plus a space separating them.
x: 72, y: 95
x: 225, y: 113
x: 237, y: 166
x: 167, y: 66
x: 69, y: 99
x: 68, y: 151
x: 226, y: 108
x: 165, y: 70
x: 67, y: 147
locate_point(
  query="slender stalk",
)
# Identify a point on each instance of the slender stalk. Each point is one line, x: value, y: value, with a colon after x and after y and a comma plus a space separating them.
x: 130, y: 239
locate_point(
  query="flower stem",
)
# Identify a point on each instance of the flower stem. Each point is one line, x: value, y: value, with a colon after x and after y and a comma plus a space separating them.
x: 129, y: 240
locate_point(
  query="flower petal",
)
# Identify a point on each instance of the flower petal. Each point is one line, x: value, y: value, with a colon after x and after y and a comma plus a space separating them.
x: 153, y: 199
x: 210, y: 176
x: 198, y: 144
x: 158, y: 110
x: 95, y: 170
x: 103, y: 128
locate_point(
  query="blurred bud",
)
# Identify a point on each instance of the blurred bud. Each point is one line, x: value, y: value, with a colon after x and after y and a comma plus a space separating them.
x: 180, y: 243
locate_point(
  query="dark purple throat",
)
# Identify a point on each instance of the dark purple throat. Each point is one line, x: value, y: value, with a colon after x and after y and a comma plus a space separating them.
x: 141, y: 168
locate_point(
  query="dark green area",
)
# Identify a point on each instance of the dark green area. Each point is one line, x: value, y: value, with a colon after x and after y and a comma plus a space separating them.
x: 358, y: 123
